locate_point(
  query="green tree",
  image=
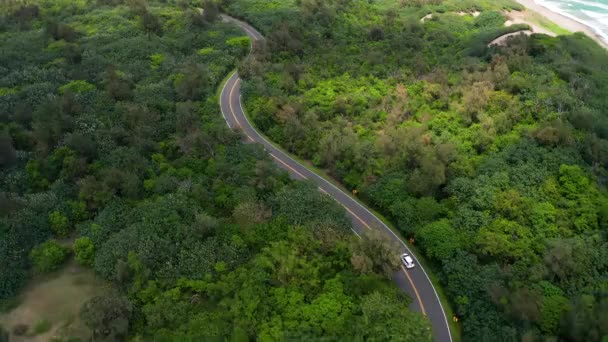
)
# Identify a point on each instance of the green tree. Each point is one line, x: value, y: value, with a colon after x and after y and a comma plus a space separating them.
x: 385, y: 317
x: 375, y: 253
x: 60, y: 224
x: 48, y: 256
x: 505, y: 239
x: 439, y: 239
x: 84, y: 251
x: 107, y: 316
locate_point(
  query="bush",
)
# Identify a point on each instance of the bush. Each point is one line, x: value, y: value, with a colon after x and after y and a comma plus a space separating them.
x: 59, y: 224
x: 41, y: 327
x: 48, y: 256
x: 84, y: 250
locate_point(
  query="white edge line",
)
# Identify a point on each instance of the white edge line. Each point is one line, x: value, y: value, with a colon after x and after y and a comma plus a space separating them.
x: 221, y: 94
x: 357, y: 203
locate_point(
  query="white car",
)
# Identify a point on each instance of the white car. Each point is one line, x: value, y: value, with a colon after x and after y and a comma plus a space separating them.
x: 407, y: 260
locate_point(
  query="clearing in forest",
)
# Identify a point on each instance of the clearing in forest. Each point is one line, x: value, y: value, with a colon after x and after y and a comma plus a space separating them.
x: 50, y: 306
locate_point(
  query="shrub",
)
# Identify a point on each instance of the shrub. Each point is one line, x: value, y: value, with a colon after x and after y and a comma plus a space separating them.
x: 156, y: 60
x: 84, y: 250
x: 41, y: 327
x: 48, y: 256
x: 242, y: 42
x: 59, y: 224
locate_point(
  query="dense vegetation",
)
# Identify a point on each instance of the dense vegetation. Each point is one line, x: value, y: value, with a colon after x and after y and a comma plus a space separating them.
x: 112, y: 143
x: 493, y: 159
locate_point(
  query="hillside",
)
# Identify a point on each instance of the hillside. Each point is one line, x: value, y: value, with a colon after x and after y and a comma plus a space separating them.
x: 493, y: 160
x: 114, y: 153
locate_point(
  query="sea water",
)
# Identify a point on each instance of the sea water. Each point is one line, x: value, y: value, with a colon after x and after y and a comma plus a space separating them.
x: 593, y: 13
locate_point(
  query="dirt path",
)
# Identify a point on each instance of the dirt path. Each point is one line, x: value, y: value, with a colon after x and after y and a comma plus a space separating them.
x: 502, y: 40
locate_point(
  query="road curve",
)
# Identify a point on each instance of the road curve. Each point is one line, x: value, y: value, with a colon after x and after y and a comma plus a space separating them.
x: 414, y: 281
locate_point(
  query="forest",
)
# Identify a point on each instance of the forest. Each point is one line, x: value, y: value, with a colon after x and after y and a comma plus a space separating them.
x: 493, y: 159
x: 114, y: 154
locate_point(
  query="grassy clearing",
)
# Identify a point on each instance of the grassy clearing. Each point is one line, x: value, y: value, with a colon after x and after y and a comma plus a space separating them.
x: 41, y: 327
x: 543, y: 22
x: 49, y: 306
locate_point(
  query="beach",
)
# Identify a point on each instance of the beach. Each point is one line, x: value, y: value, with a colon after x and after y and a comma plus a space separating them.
x: 562, y: 21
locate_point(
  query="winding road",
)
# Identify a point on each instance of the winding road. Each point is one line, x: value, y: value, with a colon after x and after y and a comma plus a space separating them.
x: 414, y: 281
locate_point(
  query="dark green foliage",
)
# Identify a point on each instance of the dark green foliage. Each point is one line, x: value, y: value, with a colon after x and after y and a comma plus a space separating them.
x: 7, y: 150
x: 113, y: 136
x: 107, y: 316
x: 302, y: 204
x: 3, y: 334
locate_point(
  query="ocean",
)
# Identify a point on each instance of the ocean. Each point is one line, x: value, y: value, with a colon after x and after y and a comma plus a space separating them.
x: 592, y: 13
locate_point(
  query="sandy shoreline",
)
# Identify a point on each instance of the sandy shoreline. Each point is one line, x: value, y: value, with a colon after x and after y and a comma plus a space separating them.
x: 563, y: 21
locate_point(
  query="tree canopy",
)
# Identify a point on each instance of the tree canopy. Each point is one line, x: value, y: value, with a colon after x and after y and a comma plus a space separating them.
x: 492, y: 158
x: 114, y: 144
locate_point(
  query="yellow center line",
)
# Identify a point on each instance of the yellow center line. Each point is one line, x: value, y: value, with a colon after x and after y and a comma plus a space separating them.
x: 357, y: 217
x: 287, y: 166
x: 415, y: 290
x: 232, y: 109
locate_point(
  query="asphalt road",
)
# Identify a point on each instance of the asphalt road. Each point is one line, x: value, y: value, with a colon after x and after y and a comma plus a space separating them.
x: 414, y: 281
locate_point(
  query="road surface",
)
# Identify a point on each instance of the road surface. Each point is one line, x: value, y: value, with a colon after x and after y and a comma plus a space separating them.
x: 414, y: 281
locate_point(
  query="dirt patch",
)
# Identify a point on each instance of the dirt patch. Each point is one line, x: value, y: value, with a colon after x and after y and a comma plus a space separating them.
x: 502, y: 40
x: 475, y: 13
x: 52, y: 305
x: 529, y: 18
x: 461, y: 13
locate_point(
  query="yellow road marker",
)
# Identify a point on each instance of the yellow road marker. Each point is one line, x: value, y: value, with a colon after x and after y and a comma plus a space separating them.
x: 287, y: 166
x: 232, y: 109
x: 415, y: 290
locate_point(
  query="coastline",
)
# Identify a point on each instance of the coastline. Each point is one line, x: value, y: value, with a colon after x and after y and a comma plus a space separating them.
x: 563, y: 21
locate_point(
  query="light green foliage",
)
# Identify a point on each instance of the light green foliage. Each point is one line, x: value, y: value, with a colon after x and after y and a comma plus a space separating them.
x: 4, y: 91
x: 505, y: 239
x: 60, y: 224
x: 78, y: 86
x: 205, y: 51
x: 84, y: 251
x: 41, y: 327
x: 383, y: 320
x: 552, y: 310
x: 242, y: 42
x: 156, y: 60
x: 48, y: 256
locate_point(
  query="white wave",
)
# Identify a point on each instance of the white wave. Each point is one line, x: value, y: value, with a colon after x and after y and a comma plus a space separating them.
x: 591, y: 4
x: 601, y: 17
x: 591, y: 24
